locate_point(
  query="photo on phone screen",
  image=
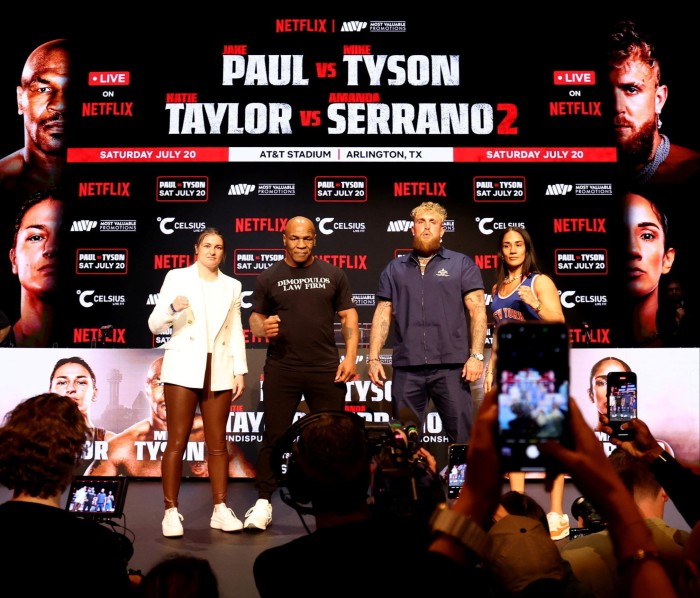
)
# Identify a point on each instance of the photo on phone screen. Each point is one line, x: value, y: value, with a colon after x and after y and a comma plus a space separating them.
x: 622, y: 401
x: 456, y: 468
x: 533, y: 391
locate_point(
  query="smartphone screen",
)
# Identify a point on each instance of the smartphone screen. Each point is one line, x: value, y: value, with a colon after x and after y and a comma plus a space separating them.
x: 533, y: 391
x: 622, y: 401
x: 456, y: 468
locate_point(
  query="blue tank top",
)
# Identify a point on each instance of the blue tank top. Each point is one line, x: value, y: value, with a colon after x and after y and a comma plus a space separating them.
x: 511, y: 307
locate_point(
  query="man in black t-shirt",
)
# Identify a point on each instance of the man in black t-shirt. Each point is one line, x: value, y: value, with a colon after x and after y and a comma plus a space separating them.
x: 295, y: 303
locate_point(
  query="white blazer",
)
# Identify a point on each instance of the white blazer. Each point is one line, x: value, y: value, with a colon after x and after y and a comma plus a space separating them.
x: 185, y: 358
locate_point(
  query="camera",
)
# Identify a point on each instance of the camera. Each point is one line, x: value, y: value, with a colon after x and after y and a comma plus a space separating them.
x: 403, y: 485
x: 400, y: 481
x: 592, y: 521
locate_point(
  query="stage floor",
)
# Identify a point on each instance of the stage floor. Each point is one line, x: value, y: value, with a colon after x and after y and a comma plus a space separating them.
x: 232, y: 555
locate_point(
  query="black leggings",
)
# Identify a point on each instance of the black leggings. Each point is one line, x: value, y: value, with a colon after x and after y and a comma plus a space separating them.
x: 181, y: 404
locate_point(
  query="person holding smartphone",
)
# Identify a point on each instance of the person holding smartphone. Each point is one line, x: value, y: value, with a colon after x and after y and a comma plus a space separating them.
x: 598, y: 387
x: 680, y: 482
x: 622, y: 401
x: 521, y: 293
x: 461, y: 553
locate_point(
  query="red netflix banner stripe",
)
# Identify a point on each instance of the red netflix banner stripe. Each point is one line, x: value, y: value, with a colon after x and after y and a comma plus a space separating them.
x: 148, y: 154
x: 535, y: 154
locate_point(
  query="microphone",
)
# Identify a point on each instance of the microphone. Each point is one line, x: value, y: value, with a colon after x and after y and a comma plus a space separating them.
x: 103, y: 333
x: 411, y: 429
x: 586, y: 333
x: 413, y: 436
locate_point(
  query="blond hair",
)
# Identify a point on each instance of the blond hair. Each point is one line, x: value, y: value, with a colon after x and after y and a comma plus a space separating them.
x: 429, y: 206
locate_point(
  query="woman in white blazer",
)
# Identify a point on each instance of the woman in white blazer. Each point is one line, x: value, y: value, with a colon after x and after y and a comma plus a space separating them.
x: 204, y: 364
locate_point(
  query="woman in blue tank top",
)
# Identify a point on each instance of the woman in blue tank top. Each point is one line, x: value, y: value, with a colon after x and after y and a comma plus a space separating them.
x: 521, y: 293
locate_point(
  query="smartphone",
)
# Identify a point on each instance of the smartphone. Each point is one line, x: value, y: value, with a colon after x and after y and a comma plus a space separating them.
x: 532, y: 374
x: 456, y: 468
x: 622, y: 402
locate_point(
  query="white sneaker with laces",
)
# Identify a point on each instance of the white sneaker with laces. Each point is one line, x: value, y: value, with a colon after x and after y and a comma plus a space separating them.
x: 558, y: 525
x: 259, y: 516
x: 225, y: 519
x: 172, y: 523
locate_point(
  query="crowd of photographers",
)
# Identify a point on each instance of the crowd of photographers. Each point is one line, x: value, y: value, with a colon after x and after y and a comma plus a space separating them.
x: 485, y: 543
x: 375, y: 494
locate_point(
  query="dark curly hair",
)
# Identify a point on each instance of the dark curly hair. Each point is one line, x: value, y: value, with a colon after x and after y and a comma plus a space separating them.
x: 41, y: 443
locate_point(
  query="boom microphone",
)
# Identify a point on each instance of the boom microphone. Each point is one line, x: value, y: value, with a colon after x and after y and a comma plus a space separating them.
x: 411, y: 429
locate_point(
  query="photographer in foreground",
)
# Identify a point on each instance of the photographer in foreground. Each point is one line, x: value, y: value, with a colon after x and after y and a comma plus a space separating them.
x: 591, y: 556
x: 679, y: 482
x: 41, y: 444
x: 355, y: 550
x: 462, y: 544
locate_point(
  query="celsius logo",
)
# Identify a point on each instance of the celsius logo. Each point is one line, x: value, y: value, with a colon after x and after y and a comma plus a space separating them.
x: 328, y: 226
x: 84, y: 298
x: 570, y: 299
x: 88, y: 298
x: 245, y: 304
x: 166, y: 229
x: 487, y: 226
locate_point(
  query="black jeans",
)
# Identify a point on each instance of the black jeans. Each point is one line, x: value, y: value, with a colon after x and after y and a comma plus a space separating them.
x: 283, y: 390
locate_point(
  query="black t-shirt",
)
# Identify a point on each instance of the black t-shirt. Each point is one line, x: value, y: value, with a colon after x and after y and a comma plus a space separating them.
x: 366, y: 558
x: 306, y: 300
x: 45, y: 548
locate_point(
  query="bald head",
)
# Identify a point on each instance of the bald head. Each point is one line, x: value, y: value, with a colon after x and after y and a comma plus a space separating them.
x: 154, y: 370
x: 42, y: 101
x: 299, y: 239
x: 52, y: 57
x: 299, y: 222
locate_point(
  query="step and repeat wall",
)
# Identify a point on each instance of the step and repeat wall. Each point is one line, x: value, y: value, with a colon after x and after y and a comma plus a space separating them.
x: 350, y: 121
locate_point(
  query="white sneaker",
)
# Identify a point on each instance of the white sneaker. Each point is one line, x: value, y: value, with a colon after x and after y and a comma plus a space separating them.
x: 225, y: 519
x: 558, y: 525
x: 172, y: 523
x: 259, y: 516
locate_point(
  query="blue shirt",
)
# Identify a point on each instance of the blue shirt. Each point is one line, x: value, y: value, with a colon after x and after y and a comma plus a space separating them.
x: 511, y: 307
x: 430, y: 318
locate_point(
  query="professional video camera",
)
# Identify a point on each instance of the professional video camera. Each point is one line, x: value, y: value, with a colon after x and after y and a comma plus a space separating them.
x: 403, y: 485
x: 592, y: 521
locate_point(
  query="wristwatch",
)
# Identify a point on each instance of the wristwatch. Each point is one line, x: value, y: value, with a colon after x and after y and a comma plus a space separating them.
x: 479, y: 356
x: 463, y: 529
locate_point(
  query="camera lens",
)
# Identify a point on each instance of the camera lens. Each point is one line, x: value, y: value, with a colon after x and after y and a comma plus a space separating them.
x: 585, y: 511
